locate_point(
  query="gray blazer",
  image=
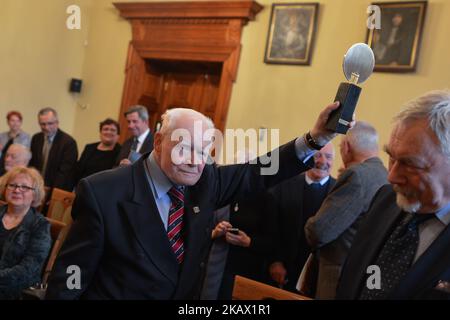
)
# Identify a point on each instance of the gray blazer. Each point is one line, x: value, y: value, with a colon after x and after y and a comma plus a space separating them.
x: 23, y: 138
x: 332, y: 230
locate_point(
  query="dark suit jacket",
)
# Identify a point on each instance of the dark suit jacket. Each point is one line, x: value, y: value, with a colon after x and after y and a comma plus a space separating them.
x: 61, y: 160
x: 423, y: 276
x: 23, y: 254
x: 288, y: 197
x: 147, y: 146
x: 120, y: 244
x: 254, y: 217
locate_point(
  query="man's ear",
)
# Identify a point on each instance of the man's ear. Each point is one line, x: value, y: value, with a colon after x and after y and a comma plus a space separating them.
x: 157, y: 142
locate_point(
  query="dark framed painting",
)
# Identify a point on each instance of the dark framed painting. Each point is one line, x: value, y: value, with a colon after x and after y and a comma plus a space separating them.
x: 291, y: 33
x: 396, y: 43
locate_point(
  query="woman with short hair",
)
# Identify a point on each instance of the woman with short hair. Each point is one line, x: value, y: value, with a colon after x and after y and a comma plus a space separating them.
x: 100, y: 156
x: 15, y: 135
x: 25, y: 239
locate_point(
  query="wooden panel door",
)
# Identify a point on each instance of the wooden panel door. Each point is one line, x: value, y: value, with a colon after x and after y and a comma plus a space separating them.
x: 180, y: 85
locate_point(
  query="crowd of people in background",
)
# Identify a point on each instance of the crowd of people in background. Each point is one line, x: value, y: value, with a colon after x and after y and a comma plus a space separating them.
x: 149, y: 228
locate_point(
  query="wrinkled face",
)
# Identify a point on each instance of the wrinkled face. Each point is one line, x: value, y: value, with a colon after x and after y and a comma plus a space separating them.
x: 181, y: 154
x: 108, y: 134
x: 323, y: 162
x: 14, y: 123
x: 418, y: 170
x: 14, y: 157
x: 48, y: 123
x: 136, y: 126
x: 19, y: 191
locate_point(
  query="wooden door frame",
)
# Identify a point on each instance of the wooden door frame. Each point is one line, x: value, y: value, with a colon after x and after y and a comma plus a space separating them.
x: 192, y: 31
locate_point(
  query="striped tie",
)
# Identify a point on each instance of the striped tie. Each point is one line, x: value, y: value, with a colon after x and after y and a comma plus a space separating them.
x: 175, y: 224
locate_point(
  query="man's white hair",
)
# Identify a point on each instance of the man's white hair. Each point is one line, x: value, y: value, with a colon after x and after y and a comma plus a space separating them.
x: 435, y: 107
x: 363, y: 137
x: 171, y: 116
x: 25, y: 153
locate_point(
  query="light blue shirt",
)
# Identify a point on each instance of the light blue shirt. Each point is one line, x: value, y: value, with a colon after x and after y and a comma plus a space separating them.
x: 160, y: 186
x: 322, y: 182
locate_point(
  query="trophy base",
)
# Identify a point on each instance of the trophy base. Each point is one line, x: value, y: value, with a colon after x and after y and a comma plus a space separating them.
x: 339, y: 119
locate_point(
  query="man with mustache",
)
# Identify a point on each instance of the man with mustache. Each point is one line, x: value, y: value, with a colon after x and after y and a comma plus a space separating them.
x: 331, y: 231
x: 294, y: 201
x: 402, y: 250
x: 143, y: 231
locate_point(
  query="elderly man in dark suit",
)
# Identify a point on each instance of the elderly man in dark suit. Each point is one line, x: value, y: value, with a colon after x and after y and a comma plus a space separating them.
x: 143, y: 231
x: 294, y: 201
x: 54, y: 152
x: 141, y: 140
x: 402, y: 249
x: 331, y: 231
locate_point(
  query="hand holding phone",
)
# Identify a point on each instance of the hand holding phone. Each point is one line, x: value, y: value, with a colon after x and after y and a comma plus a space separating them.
x: 233, y: 230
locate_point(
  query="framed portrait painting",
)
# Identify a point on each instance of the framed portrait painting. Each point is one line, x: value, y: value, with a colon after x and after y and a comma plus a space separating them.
x: 291, y: 33
x: 396, y: 43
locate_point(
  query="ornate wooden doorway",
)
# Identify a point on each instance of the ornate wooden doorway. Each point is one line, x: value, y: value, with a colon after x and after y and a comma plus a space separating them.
x: 183, y: 54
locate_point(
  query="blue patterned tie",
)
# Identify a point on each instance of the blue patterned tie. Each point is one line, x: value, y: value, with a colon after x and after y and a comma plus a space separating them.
x: 397, y: 255
x: 175, y: 224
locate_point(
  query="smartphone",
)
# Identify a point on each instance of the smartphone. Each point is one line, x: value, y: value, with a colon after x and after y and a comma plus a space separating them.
x: 233, y: 230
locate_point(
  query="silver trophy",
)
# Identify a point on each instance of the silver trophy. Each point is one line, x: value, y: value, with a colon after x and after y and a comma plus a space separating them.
x: 358, y: 65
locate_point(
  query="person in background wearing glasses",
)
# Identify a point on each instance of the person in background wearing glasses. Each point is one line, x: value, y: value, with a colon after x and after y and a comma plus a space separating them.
x: 17, y: 155
x: 54, y: 152
x: 24, y: 233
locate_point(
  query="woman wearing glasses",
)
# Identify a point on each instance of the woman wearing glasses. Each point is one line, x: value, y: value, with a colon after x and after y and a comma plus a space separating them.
x: 24, y: 233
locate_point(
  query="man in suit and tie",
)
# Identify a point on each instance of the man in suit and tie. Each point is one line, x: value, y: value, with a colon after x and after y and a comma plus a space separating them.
x: 401, y: 250
x: 294, y: 201
x: 141, y: 140
x: 55, y: 153
x: 331, y: 231
x: 143, y: 231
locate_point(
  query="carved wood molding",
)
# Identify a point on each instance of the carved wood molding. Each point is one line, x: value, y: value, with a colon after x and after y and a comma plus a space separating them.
x: 245, y: 10
x: 207, y: 31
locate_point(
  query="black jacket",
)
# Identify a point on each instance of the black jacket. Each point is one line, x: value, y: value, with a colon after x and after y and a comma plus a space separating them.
x: 61, y: 160
x: 120, y: 244
x: 24, y: 254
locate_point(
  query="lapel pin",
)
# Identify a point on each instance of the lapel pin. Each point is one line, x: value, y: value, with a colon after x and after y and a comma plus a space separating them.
x: 196, y: 209
x: 236, y: 207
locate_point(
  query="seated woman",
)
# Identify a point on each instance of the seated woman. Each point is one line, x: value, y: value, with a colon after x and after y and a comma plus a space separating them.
x: 101, y: 155
x: 25, y: 239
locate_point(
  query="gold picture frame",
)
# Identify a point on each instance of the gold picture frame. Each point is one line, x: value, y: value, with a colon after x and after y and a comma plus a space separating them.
x: 291, y: 33
x: 396, y: 44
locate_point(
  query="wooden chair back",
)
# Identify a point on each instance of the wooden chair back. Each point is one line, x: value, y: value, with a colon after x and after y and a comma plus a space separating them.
x: 247, y: 289
x: 60, y: 207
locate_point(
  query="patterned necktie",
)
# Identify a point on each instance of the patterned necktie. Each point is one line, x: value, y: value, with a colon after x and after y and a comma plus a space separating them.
x: 134, y: 145
x: 175, y: 224
x: 397, y: 255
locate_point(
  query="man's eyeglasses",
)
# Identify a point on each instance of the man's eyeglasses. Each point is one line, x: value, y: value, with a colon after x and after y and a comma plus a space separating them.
x: 20, y: 188
x: 43, y: 124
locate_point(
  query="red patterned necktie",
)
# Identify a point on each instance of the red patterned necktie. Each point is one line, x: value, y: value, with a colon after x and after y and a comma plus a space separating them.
x: 175, y: 224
